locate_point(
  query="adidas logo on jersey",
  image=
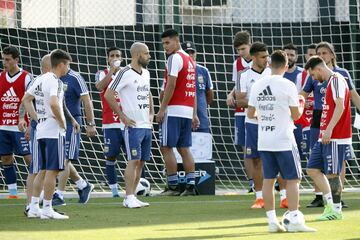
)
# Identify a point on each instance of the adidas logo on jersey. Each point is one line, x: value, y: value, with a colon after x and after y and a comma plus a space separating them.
x: 10, y: 96
x: 266, y: 95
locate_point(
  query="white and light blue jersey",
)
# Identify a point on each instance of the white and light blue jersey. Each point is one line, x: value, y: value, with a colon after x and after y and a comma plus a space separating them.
x: 292, y: 76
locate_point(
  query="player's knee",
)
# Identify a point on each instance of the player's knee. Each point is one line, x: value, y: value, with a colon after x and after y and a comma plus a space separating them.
x: 165, y: 150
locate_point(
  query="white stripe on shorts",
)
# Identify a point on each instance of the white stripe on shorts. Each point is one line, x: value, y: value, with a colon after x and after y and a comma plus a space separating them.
x: 127, y: 143
x: 296, y: 159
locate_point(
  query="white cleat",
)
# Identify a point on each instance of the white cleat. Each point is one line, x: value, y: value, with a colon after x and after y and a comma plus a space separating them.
x: 53, y: 215
x: 298, y: 227
x: 276, y: 227
x: 142, y: 204
x: 34, y: 213
x: 131, y: 203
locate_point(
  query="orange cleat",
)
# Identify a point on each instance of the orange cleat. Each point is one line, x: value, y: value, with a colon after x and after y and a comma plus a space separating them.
x: 284, y: 203
x: 259, y: 203
x: 12, y: 197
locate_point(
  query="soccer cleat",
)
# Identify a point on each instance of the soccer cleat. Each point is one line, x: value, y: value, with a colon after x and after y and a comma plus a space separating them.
x: 142, y: 204
x: 317, y: 202
x: 259, y: 203
x: 26, y: 211
x: 344, y: 205
x: 131, y: 203
x: 189, y: 191
x: 33, y: 213
x: 12, y: 197
x: 51, y: 214
x: 330, y: 214
x: 57, y: 200
x: 116, y: 196
x: 84, y: 194
x: 251, y: 190
x: 170, y: 192
x: 276, y: 227
x: 284, y: 203
x: 299, y: 227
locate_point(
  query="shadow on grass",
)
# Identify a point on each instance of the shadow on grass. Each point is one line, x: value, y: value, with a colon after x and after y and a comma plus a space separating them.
x: 219, y: 236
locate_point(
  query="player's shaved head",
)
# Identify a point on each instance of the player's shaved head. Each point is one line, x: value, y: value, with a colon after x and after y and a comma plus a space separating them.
x: 137, y: 48
x: 45, y: 64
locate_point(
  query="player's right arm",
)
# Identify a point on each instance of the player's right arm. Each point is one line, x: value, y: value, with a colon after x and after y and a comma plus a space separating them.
x: 293, y: 100
x: 29, y: 106
x: 102, y: 80
x: 308, y: 87
x: 70, y: 118
x: 241, y: 92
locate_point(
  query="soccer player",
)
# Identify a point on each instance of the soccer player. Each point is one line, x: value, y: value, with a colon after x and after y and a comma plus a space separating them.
x: 76, y: 92
x: 274, y: 102
x: 132, y: 85
x: 177, y: 114
x: 13, y: 83
x: 242, y: 44
x: 327, y: 156
x: 246, y: 79
x: 113, y: 139
x: 204, y: 89
x: 48, y: 91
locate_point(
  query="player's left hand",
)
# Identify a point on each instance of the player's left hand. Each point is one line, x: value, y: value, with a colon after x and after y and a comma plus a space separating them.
x: 76, y: 126
x: 325, y: 139
x: 195, y: 122
x: 90, y: 131
x: 22, y: 125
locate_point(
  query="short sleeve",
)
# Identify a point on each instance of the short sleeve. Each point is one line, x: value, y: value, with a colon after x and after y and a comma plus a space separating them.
x: 209, y: 84
x: 234, y: 72
x: 119, y: 82
x: 52, y: 86
x: 80, y: 86
x: 174, y: 65
x: 293, y: 95
x: 28, y: 80
x: 338, y: 88
x: 241, y: 83
x: 252, y: 99
x: 308, y: 86
x: 31, y: 87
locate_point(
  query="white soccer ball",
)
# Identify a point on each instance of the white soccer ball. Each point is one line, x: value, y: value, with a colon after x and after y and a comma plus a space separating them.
x: 287, y: 219
x: 143, y: 188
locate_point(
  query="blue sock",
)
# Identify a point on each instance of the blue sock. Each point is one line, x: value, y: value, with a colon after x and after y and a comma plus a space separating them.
x: 190, y: 178
x: 111, y: 172
x: 173, y: 180
x: 114, y: 192
x: 10, y: 174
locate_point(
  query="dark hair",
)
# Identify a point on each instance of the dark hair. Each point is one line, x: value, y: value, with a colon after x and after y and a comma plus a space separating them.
x: 257, y: 47
x: 290, y: 46
x: 169, y: 33
x: 278, y: 59
x: 58, y: 56
x: 312, y: 46
x: 110, y: 49
x: 13, y: 51
x: 241, y: 37
x: 328, y: 46
x: 313, y: 62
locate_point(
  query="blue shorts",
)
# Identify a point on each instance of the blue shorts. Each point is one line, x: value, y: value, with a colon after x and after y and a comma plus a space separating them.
x: 138, y: 143
x: 240, y: 130
x: 314, y: 136
x: 175, y: 132
x: 305, y: 146
x: 287, y: 163
x: 299, y: 138
x: 329, y: 158
x: 52, y: 153
x: 34, y: 166
x: 113, y: 141
x: 72, y: 143
x: 13, y: 142
x: 251, y: 141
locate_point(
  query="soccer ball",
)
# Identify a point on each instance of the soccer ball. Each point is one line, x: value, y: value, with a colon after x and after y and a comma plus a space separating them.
x: 143, y: 188
x: 298, y: 219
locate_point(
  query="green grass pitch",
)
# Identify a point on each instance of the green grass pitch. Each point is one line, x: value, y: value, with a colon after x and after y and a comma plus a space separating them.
x: 176, y: 218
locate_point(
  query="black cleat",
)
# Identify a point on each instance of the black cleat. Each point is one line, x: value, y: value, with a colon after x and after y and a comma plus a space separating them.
x: 171, y: 191
x: 344, y: 205
x: 317, y: 202
x: 189, y: 191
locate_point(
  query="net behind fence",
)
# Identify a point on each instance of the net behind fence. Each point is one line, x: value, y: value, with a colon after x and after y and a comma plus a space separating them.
x: 87, y: 28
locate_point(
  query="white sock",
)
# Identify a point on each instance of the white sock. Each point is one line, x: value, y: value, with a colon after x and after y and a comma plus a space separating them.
x: 113, y: 186
x: 259, y: 195
x: 271, y: 216
x: 329, y: 198
x: 60, y: 193
x: 12, y: 186
x: 34, y: 203
x: 132, y: 196
x: 81, y: 184
x: 282, y: 194
x: 27, y: 206
x: 47, y: 205
x: 337, y: 207
x: 319, y: 193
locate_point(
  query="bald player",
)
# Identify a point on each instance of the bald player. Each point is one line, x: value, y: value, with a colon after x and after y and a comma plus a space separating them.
x: 132, y: 85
